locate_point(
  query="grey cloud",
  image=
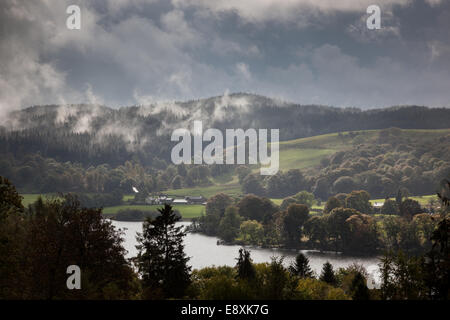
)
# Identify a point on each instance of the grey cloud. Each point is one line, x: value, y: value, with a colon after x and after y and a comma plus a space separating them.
x: 145, y: 52
x: 335, y: 76
x: 282, y: 11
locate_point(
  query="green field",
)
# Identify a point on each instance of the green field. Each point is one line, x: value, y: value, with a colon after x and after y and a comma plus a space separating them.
x: 302, y: 158
x: 207, y: 192
x: 31, y: 198
x: 187, y: 211
x: 128, y: 197
x: 308, y: 152
x: 277, y: 201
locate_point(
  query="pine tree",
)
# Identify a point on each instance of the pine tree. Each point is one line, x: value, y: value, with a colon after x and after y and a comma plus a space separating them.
x: 245, y: 268
x: 161, y: 260
x: 301, y: 267
x: 359, y: 288
x: 327, y: 274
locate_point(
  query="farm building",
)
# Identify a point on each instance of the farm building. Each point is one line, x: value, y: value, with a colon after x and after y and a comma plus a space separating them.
x: 158, y: 200
x: 162, y: 199
x: 180, y: 201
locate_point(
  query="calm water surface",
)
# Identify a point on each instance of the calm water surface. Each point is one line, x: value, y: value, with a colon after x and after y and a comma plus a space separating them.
x: 204, y: 251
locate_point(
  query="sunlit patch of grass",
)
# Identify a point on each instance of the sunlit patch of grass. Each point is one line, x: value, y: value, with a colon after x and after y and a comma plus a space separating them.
x: 187, y: 211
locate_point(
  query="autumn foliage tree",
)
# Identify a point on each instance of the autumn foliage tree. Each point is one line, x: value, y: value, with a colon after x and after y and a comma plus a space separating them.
x: 61, y: 233
x: 39, y: 243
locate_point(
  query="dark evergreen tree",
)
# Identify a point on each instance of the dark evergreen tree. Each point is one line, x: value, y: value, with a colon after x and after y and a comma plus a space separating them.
x: 327, y: 274
x: 359, y: 288
x: 161, y: 260
x: 244, y: 265
x: 301, y: 267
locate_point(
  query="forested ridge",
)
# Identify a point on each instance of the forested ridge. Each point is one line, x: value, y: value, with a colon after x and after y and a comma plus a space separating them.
x: 91, y: 148
x: 93, y: 135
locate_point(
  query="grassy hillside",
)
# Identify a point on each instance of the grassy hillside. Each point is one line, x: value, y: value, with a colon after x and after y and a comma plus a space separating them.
x: 294, y: 154
x: 306, y: 153
x: 187, y: 211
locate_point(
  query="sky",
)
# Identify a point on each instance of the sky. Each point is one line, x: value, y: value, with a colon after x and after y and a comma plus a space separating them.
x: 303, y: 51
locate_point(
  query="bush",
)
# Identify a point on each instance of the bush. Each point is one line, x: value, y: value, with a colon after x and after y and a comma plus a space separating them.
x: 344, y: 184
x: 332, y: 203
x: 313, y: 289
x: 389, y: 207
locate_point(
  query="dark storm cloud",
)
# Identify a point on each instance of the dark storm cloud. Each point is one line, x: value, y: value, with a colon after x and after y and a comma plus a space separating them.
x: 306, y: 51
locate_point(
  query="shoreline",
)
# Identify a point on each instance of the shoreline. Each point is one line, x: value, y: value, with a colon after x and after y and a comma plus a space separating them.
x: 311, y: 250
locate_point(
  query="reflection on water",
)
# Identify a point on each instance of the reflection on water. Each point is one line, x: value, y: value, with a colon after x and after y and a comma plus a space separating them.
x: 204, y: 251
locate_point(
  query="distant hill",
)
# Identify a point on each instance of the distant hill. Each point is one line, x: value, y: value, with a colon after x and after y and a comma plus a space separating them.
x: 93, y: 135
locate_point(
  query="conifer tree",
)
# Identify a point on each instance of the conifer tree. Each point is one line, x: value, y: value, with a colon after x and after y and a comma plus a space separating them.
x: 161, y: 259
x: 327, y: 274
x: 245, y: 268
x: 301, y: 267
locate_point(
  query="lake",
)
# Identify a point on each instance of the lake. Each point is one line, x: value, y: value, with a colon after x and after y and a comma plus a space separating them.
x: 204, y: 251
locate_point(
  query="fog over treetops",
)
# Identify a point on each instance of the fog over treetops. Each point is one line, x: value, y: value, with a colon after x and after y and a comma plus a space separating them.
x: 239, y: 110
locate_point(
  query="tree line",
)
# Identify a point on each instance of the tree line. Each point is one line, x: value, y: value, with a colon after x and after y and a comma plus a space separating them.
x: 348, y: 223
x: 36, y: 174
